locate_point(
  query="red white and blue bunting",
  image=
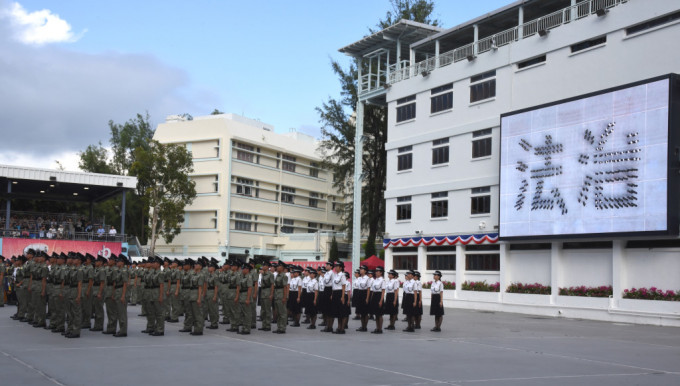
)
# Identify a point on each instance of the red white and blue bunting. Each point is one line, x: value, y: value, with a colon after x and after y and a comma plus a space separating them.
x: 491, y: 238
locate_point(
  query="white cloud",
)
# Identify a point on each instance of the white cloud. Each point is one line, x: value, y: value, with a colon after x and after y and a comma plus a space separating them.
x: 38, y: 27
x: 68, y: 159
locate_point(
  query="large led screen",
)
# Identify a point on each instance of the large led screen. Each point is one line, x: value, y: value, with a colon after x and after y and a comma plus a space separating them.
x: 593, y: 165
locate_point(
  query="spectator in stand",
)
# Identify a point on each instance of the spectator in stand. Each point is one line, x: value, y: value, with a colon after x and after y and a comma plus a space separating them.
x: 89, y: 228
x: 41, y: 234
x: 101, y: 231
x: 51, y: 233
x: 60, y: 231
x: 112, y: 231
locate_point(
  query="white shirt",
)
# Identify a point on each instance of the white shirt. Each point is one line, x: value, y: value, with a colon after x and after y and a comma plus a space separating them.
x: 328, y: 278
x: 112, y: 231
x: 409, y: 286
x: 288, y: 276
x: 437, y: 287
x: 312, y: 285
x: 362, y: 282
x: 305, y: 282
x: 338, y: 280
x: 369, y: 281
x: 320, y: 281
x: 378, y: 285
x: 419, y: 286
x: 294, y: 284
x: 392, y: 286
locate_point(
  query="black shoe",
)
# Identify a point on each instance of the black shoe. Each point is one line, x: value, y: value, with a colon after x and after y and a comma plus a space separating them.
x: 141, y: 315
x: 173, y: 321
x: 108, y: 332
x: 47, y: 327
x: 295, y: 325
x: 212, y: 327
x: 167, y: 318
x: 376, y: 332
x: 389, y: 328
x: 279, y: 332
x: 405, y: 320
x: 244, y: 332
x: 119, y: 335
x: 322, y: 324
x: 339, y: 332
x: 326, y: 330
x: 196, y: 333
x: 362, y: 329
x: 72, y: 336
x: 157, y: 334
x: 417, y: 327
x: 233, y: 329
x: 356, y: 318
x: 58, y: 330
x: 96, y: 329
x: 435, y: 329
x: 85, y: 327
x: 223, y: 322
x: 409, y: 330
x: 311, y: 327
x: 264, y: 329
x: 185, y: 330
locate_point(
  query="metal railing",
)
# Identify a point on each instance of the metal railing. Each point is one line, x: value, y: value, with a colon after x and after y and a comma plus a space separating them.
x: 543, y: 23
x: 76, y: 236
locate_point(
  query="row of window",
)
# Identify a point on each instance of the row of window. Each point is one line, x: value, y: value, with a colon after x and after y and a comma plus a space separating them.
x: 482, y: 87
x: 248, y: 223
x: 447, y: 262
x: 480, y: 203
x: 481, y: 147
x: 249, y: 153
x: 250, y: 188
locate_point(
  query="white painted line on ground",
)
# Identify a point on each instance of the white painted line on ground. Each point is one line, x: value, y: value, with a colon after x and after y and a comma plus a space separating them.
x: 553, y: 377
x: 42, y: 374
x: 337, y: 360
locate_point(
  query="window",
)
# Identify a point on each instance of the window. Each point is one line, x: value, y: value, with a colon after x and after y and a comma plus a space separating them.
x: 243, y: 225
x: 287, y: 195
x: 483, y: 262
x: 480, y: 202
x: 440, y: 151
x: 288, y: 163
x: 446, y: 262
x: 442, y: 98
x: 245, y: 152
x: 408, y: 110
x: 288, y: 226
x: 312, y: 227
x: 244, y: 186
x: 314, y: 169
x: 404, y: 209
x: 481, y: 147
x: 481, y: 88
x: 405, y: 158
x: 530, y: 62
x: 405, y: 262
x: 440, y: 205
x: 588, y: 43
x: 653, y: 23
x: 313, y: 199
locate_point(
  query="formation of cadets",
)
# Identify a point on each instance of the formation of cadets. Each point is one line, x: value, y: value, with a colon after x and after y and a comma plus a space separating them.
x: 77, y: 288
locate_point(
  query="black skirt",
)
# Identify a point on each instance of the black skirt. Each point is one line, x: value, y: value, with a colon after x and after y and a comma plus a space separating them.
x: 310, y: 307
x: 389, y: 308
x: 337, y: 309
x: 359, y: 302
x: 435, y: 308
x: 326, y: 301
x: 293, y: 306
x: 374, y: 306
x: 407, y: 305
x: 304, y: 298
x: 347, y: 308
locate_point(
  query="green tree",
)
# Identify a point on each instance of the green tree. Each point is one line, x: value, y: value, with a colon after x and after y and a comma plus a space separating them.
x: 216, y: 112
x: 95, y: 159
x: 164, y: 169
x: 337, y: 117
x: 333, y: 253
x: 126, y: 138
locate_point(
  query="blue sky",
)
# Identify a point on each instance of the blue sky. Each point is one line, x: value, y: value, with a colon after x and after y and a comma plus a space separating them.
x: 268, y: 60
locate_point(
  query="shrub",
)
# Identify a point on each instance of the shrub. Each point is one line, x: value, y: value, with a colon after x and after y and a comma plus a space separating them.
x: 482, y: 286
x: 536, y: 289
x: 652, y: 293
x: 592, y: 292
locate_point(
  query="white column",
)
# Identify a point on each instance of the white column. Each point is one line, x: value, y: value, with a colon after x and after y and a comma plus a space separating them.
x: 398, y: 54
x: 475, y: 29
x: 460, y: 268
x: 389, y: 259
x: 520, y: 29
x: 504, y: 250
x: 422, y: 260
x: 358, y: 170
x: 436, y: 53
x: 574, y: 13
x: 555, y: 268
x: 618, y: 271
x: 412, y: 62
x: 360, y: 63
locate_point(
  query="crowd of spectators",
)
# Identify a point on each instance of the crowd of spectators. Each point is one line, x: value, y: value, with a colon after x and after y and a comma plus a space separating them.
x: 53, y: 226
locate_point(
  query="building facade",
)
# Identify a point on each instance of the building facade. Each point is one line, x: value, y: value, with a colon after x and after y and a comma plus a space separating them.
x: 446, y: 102
x: 259, y: 193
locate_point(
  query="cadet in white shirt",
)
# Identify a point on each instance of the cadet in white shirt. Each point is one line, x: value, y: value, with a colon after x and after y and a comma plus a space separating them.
x: 391, y: 305
x: 409, y: 302
x: 360, y: 299
x: 419, y: 300
x: 437, y: 301
x: 327, y: 284
x: 377, y: 299
x: 305, y: 295
x: 357, y: 274
x: 313, y: 296
x: 347, y: 310
x: 338, y: 300
x: 294, y: 296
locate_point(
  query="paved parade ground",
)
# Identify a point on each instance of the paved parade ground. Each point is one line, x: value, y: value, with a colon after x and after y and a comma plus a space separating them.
x: 474, y: 348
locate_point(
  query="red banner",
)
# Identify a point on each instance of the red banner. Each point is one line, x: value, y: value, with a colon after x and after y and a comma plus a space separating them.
x: 319, y: 264
x: 16, y: 247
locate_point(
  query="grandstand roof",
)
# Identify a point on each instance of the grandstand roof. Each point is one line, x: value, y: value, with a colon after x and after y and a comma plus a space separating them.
x: 57, y: 185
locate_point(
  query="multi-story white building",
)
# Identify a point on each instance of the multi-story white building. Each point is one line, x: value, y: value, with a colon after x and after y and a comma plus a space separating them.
x: 447, y: 95
x: 260, y: 193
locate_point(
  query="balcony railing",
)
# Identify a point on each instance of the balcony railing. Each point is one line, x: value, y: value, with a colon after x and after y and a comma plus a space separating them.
x: 46, y: 235
x: 545, y: 23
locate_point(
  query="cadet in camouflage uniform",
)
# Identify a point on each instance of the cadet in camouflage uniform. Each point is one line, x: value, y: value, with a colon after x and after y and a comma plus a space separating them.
x: 132, y: 285
x: 3, y: 268
x: 143, y: 269
x: 76, y: 289
x: 38, y: 290
x: 109, y: 301
x: 88, y: 282
x: 21, y: 282
x: 175, y: 287
x: 266, y: 296
x: 53, y: 289
x: 244, y: 294
x: 280, y: 298
x: 184, y: 295
x: 223, y: 278
x: 61, y: 288
x: 154, y: 291
x: 231, y: 299
x: 98, y: 294
x: 255, y: 277
x: 120, y: 278
x: 212, y: 296
x: 195, y: 296
x: 28, y: 271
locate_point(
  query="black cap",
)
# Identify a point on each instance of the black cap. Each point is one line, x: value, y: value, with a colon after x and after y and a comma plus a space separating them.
x: 364, y: 267
x: 416, y: 273
x: 339, y: 264
x: 393, y: 273
x: 346, y: 275
x: 410, y: 272
x: 371, y: 272
x: 329, y: 263
x: 437, y: 273
x: 266, y: 264
x: 89, y: 257
x: 381, y: 269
